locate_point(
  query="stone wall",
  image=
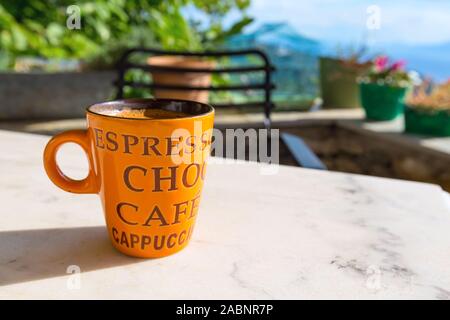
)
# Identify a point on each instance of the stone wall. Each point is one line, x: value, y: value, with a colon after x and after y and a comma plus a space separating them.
x: 347, y: 150
x: 52, y: 95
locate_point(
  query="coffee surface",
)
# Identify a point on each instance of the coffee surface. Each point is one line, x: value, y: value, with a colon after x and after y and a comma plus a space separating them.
x: 147, y: 113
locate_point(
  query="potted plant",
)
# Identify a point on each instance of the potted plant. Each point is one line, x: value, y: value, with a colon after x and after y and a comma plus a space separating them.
x: 383, y: 89
x: 427, y: 110
x: 205, y: 41
x: 338, y: 78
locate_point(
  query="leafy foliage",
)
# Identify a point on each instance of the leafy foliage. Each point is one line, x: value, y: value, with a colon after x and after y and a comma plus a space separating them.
x: 38, y: 28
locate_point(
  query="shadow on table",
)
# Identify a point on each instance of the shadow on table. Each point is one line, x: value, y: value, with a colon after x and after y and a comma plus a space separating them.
x: 27, y: 255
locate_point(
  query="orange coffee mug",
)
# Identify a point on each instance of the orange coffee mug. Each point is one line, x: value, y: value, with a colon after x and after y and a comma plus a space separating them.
x: 147, y: 161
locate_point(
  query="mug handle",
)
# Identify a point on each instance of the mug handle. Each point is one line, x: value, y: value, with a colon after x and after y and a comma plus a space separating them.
x: 80, y: 137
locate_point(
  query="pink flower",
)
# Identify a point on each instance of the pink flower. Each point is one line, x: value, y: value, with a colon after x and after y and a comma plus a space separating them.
x: 399, y: 65
x: 381, y: 63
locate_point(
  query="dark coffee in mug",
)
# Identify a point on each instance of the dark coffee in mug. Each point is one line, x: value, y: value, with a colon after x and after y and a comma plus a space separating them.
x: 147, y: 113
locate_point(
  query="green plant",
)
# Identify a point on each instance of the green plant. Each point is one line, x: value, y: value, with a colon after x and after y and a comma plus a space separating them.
x: 428, y: 110
x: 38, y: 28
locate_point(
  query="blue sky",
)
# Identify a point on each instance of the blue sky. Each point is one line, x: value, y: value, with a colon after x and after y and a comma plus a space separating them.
x: 409, y: 22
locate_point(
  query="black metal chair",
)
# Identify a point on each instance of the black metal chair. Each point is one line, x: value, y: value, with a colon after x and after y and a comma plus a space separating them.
x: 301, y: 153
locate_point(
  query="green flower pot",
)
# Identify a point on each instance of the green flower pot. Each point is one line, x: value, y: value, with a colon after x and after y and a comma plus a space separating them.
x: 382, y: 102
x: 435, y: 123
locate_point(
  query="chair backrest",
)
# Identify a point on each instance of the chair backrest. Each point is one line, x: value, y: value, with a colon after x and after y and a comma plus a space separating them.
x: 124, y: 64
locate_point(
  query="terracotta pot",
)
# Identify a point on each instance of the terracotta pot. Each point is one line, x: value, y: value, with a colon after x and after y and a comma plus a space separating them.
x: 184, y: 78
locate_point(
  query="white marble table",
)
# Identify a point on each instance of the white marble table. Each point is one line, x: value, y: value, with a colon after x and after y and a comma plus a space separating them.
x: 297, y: 234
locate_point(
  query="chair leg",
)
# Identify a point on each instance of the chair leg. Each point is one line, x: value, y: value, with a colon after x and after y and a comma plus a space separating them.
x: 302, y: 154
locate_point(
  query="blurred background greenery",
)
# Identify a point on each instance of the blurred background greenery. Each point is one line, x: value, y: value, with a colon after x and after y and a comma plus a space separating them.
x: 38, y: 28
